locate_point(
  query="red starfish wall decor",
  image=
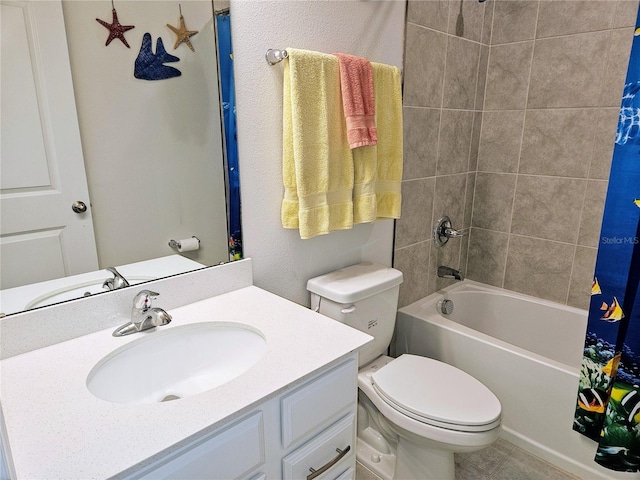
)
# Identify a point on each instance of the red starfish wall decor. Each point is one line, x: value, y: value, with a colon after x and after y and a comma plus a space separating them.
x: 115, y: 29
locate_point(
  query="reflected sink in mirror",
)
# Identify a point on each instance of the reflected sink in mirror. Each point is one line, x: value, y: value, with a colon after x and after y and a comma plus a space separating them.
x: 82, y: 289
x: 17, y: 299
x: 176, y: 363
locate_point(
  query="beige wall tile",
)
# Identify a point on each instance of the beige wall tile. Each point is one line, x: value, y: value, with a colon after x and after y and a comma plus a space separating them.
x: 568, y: 71
x: 564, y: 102
x: 584, y: 264
x: 514, y: 21
x: 604, y: 141
x: 461, y: 73
x: 564, y: 17
x: 470, y: 15
x: 421, y: 126
x: 450, y: 198
x: 424, y: 66
x: 548, y: 207
x: 475, y: 141
x: 456, y: 128
x: 558, y: 142
x: 494, y: 194
x: 500, y: 141
x: 617, y: 63
x: 413, y: 262
x: 541, y: 268
x: 487, y: 24
x: 483, y: 64
x: 591, y: 218
x: 464, y: 250
x: 416, y: 222
x: 468, y: 199
x: 433, y: 14
x: 487, y: 256
x: 508, y: 76
x: 626, y: 13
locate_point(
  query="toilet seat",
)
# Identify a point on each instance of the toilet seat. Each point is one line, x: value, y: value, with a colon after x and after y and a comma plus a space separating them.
x: 437, y: 394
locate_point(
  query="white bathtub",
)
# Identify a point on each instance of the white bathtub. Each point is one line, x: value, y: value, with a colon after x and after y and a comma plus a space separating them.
x: 526, y: 350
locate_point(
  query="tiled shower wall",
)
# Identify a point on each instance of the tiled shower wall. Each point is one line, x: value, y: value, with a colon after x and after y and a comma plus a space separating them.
x: 442, y: 117
x: 548, y: 87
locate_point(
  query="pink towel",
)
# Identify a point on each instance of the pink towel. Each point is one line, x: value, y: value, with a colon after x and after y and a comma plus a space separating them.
x: 356, y: 83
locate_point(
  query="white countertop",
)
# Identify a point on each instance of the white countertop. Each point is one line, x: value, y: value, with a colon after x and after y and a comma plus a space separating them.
x: 58, y: 430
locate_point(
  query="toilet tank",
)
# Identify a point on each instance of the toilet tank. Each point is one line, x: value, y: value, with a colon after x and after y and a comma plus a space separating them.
x: 363, y: 296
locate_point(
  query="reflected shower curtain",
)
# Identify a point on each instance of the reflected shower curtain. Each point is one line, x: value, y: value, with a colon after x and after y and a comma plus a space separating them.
x: 608, y: 405
x: 225, y: 53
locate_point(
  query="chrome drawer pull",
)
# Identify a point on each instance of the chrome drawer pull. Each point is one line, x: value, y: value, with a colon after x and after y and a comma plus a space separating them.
x: 341, y: 453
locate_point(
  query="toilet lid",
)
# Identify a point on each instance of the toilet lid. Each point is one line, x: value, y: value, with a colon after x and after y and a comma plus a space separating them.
x: 436, y: 393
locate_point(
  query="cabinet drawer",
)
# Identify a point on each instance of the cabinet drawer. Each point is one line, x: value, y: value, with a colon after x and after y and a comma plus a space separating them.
x: 229, y: 453
x: 323, y: 450
x: 350, y: 474
x: 315, y: 403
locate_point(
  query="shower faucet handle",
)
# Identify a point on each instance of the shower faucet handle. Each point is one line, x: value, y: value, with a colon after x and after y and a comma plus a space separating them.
x: 443, y: 231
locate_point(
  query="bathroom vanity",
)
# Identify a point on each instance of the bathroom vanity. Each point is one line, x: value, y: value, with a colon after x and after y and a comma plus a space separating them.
x: 291, y: 413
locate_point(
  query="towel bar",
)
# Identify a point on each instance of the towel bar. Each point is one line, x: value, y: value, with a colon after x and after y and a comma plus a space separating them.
x: 274, y: 56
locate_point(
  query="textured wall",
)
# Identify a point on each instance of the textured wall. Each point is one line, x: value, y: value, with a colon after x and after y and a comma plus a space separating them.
x: 282, y: 262
x: 553, y: 90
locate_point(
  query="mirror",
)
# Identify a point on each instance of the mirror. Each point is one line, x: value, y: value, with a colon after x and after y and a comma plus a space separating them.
x: 102, y: 169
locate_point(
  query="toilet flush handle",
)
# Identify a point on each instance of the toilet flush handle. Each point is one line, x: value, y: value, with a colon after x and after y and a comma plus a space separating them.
x: 349, y: 309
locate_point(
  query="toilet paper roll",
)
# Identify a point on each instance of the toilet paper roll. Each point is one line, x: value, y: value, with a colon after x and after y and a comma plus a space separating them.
x: 188, y: 244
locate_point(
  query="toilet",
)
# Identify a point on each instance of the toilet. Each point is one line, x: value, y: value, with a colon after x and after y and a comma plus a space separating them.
x: 414, y: 412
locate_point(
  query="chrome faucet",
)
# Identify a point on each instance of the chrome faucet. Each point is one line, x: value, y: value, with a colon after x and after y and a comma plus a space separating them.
x: 118, y: 281
x: 143, y: 317
x: 448, y: 272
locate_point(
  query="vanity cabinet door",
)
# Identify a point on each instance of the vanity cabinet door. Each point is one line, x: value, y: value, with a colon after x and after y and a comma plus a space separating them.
x: 227, y: 454
x: 315, y: 404
x: 330, y: 452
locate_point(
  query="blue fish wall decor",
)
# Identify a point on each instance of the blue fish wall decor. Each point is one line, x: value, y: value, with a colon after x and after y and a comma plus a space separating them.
x: 150, y: 66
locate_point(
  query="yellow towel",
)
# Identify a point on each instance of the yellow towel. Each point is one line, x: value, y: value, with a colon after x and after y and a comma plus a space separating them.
x: 387, y: 85
x: 317, y: 166
x: 378, y: 169
x: 365, y: 205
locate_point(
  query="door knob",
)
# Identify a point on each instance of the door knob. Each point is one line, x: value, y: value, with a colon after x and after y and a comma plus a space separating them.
x: 78, y: 206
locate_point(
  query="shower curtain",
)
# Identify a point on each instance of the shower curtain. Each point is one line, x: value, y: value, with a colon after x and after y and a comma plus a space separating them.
x: 608, y: 404
x: 225, y: 53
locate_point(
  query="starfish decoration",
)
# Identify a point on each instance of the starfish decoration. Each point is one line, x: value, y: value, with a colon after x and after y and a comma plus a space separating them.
x: 182, y: 33
x: 115, y: 29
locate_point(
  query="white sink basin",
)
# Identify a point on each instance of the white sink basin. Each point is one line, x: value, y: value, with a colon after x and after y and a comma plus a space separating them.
x: 176, y: 363
x: 78, y: 290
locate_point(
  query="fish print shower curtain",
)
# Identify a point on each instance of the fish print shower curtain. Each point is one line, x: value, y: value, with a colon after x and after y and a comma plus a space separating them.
x: 227, y: 82
x: 608, y: 405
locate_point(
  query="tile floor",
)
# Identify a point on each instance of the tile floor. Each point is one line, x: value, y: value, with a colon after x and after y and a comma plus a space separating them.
x: 500, y: 461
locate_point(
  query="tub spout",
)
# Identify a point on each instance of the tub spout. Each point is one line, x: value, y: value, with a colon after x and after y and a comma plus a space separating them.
x: 448, y: 272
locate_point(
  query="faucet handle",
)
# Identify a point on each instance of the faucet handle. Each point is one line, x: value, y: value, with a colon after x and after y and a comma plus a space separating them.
x: 118, y: 281
x: 443, y: 231
x: 144, y: 298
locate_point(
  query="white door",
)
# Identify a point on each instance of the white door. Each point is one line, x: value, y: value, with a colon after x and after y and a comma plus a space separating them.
x: 41, y: 164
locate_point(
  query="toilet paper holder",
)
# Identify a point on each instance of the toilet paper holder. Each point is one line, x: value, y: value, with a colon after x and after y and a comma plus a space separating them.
x: 176, y: 244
